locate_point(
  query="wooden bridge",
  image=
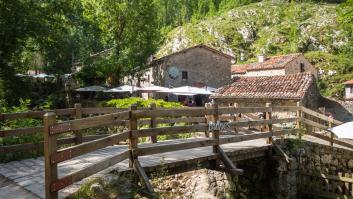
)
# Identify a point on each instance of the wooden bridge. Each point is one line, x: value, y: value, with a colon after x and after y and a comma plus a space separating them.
x: 70, y: 159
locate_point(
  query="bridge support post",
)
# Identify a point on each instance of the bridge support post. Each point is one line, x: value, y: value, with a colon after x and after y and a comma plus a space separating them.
x: 132, y: 141
x: 236, y: 117
x: 153, y: 123
x: 50, y: 146
x: 78, y: 115
x: 215, y: 133
x: 268, y: 116
x: 299, y: 118
x: 208, y: 119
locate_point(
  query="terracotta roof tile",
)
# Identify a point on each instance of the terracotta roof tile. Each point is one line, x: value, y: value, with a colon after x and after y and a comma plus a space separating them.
x: 275, y: 62
x: 269, y: 87
x: 349, y: 82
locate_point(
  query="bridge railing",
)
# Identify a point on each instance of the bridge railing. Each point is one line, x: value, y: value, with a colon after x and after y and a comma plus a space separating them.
x: 196, y: 120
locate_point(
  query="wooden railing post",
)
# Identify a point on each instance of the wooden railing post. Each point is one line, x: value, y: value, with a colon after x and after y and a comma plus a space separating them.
x: 208, y: 119
x: 331, y: 134
x: 132, y: 141
x: 215, y: 133
x: 78, y: 115
x: 236, y: 117
x: 299, y: 118
x: 50, y: 147
x: 153, y: 124
x: 268, y: 116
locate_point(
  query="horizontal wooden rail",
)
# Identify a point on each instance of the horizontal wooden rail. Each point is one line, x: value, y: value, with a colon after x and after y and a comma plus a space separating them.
x: 35, y: 114
x: 39, y: 146
x: 88, y: 171
x: 101, y: 110
x: 162, y: 148
x: 168, y: 130
x: 320, y: 116
x: 326, y: 138
x: 91, y: 122
x: 77, y: 150
x: 314, y: 124
x: 21, y: 131
x: 179, y: 112
x: 261, y: 122
x: 254, y: 136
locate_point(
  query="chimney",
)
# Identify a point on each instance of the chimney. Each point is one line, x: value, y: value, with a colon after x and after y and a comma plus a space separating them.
x: 261, y: 58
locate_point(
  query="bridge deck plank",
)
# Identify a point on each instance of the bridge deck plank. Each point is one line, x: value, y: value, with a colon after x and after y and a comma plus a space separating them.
x: 27, y: 172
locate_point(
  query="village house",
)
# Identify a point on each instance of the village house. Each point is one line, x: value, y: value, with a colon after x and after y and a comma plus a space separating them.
x: 276, y: 65
x: 348, y: 90
x: 199, y: 65
x: 278, y: 90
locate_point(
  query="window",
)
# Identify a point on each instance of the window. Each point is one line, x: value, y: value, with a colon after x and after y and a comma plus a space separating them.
x: 302, y: 67
x: 184, y: 75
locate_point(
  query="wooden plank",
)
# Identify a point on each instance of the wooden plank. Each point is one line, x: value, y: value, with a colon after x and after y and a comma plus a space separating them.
x: 179, y: 112
x: 50, y: 147
x: 35, y: 114
x: 285, y: 108
x: 168, y: 130
x: 78, y: 115
x: 91, y: 122
x: 279, y: 150
x: 94, y: 137
x: 257, y: 135
x: 162, y: 148
x: 88, y: 171
x: 314, y: 124
x: 133, y: 141
x: 77, y: 150
x: 230, y: 110
x: 21, y: 131
x: 326, y: 138
x: 101, y: 110
x: 261, y: 122
x: 228, y: 163
x: 321, y: 116
x: 143, y: 177
x: 181, y: 120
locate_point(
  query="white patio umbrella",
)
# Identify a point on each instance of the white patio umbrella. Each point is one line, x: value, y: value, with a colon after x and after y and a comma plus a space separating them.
x: 209, y: 88
x: 190, y: 90
x: 153, y: 88
x: 185, y: 94
x: 91, y: 89
x: 123, y: 89
x: 344, y: 130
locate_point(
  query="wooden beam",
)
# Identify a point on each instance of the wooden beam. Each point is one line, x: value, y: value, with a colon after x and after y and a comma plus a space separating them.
x: 279, y: 150
x: 321, y: 116
x: 50, y: 147
x: 77, y: 150
x: 228, y: 163
x: 168, y: 130
x: 162, y: 147
x: 143, y: 176
x: 88, y: 171
x: 90, y: 122
x: 35, y: 114
x: 21, y: 131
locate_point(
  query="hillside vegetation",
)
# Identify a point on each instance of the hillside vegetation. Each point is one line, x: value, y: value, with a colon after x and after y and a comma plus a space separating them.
x: 275, y: 28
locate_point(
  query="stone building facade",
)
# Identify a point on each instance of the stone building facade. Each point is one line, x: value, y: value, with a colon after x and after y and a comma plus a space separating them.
x: 196, y: 66
x: 348, y: 90
x: 278, y: 90
x: 274, y: 66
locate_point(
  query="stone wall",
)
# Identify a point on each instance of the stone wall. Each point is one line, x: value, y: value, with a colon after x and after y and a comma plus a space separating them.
x: 293, y: 67
x: 202, y: 66
x: 275, y: 72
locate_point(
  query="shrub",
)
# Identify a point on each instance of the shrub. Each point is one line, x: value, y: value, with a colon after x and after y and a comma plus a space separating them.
x: 126, y: 102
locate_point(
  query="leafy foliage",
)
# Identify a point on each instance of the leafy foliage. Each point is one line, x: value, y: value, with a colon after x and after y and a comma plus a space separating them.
x: 126, y: 102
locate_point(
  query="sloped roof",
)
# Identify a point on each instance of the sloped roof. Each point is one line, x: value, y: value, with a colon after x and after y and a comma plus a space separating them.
x: 349, y: 82
x: 197, y: 46
x: 267, y: 87
x: 275, y: 62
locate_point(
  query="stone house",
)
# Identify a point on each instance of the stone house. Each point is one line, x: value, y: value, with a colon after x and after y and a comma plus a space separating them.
x: 348, y: 95
x: 284, y: 90
x: 199, y: 65
x: 276, y: 65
